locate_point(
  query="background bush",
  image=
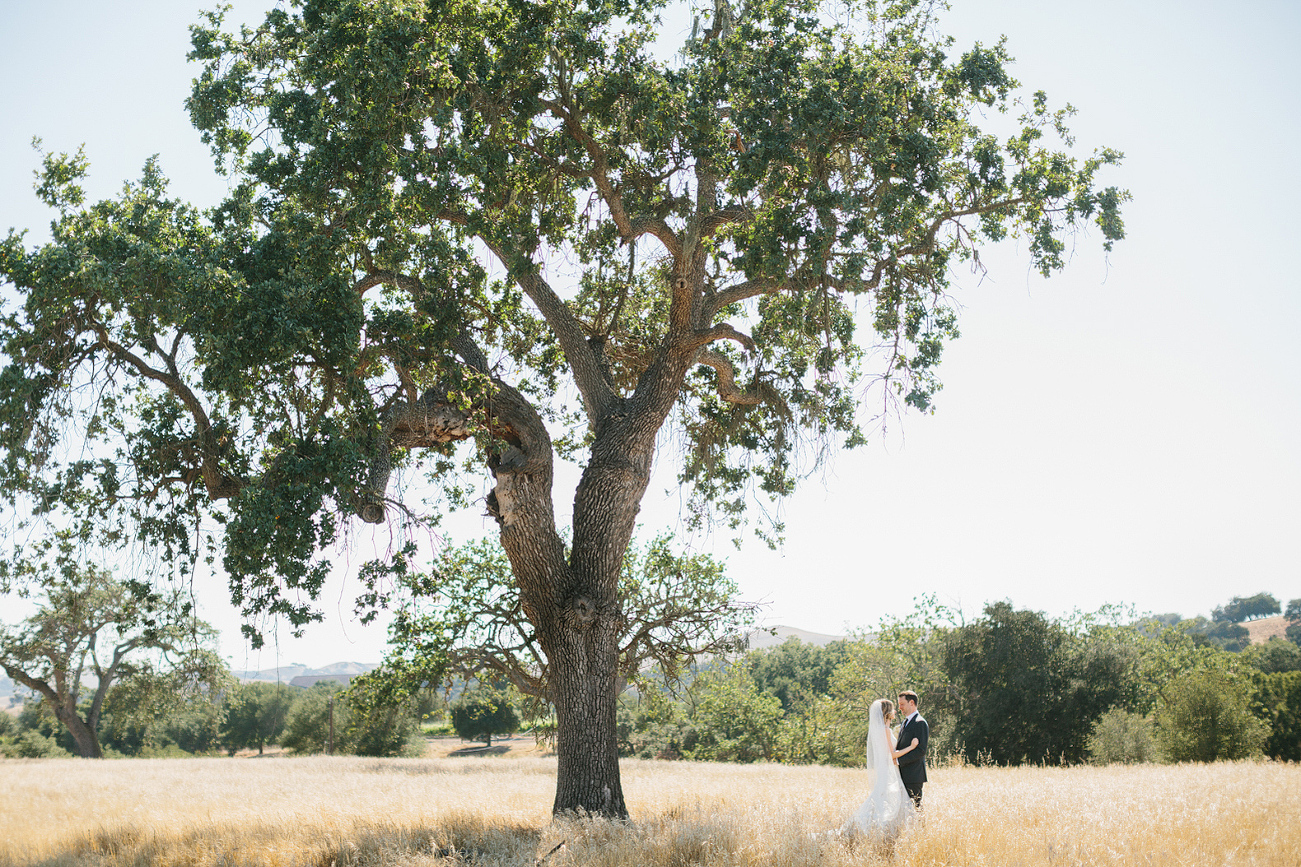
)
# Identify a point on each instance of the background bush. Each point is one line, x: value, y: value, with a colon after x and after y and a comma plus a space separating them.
x: 1122, y: 737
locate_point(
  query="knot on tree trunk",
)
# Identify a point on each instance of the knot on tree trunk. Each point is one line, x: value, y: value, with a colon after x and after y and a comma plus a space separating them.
x: 581, y: 612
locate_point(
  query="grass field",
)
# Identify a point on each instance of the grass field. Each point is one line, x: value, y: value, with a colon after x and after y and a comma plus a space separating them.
x: 495, y: 811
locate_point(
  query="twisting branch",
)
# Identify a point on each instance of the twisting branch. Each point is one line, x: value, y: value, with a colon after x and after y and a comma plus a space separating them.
x: 433, y: 420
x: 724, y: 331
x: 425, y: 424
x: 728, y: 390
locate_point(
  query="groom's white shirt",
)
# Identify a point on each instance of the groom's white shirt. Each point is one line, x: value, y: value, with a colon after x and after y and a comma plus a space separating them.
x: 911, y: 717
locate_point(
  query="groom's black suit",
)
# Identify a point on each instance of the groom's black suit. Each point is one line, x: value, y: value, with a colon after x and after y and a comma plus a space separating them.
x: 912, y: 765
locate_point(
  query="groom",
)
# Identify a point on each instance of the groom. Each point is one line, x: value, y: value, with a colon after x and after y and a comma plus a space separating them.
x: 912, y: 764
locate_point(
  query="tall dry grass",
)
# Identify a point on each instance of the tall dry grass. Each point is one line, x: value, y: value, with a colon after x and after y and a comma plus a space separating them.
x: 495, y: 811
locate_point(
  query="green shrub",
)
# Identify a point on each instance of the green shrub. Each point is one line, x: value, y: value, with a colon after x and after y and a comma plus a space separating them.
x: 652, y: 726
x: 1122, y: 737
x: 1203, y: 717
x: 255, y: 715
x: 735, y: 721
x: 31, y: 744
x: 385, y: 732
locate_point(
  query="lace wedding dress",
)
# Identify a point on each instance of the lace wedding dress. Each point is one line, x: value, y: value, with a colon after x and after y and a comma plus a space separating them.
x: 888, y: 808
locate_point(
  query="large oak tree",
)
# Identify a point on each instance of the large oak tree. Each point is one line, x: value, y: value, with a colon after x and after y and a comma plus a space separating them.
x: 520, y: 226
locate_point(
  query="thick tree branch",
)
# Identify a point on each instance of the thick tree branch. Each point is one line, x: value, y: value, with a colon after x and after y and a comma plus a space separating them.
x: 715, y: 302
x: 723, y: 331
x: 598, y: 395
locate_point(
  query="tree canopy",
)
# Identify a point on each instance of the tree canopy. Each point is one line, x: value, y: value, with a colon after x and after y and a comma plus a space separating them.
x: 522, y: 226
x: 1241, y: 608
x: 1030, y: 690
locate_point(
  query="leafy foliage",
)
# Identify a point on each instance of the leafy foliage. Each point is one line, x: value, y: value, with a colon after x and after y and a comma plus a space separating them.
x: 735, y: 721
x: 465, y: 619
x: 1120, y: 736
x: 795, y: 672
x: 372, y: 731
x: 255, y: 715
x: 789, y: 171
x: 1277, y: 702
x: 1030, y: 689
x: 1225, y: 634
x: 1275, y: 656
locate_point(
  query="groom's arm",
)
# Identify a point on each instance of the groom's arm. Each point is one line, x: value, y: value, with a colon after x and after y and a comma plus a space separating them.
x: 922, y: 732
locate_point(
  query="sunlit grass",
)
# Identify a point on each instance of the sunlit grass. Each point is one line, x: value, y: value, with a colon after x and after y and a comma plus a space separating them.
x: 496, y: 811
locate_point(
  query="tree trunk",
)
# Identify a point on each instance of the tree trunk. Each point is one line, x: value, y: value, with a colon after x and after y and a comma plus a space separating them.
x: 82, y: 735
x: 573, y: 601
x: 583, y: 675
x: 583, y: 652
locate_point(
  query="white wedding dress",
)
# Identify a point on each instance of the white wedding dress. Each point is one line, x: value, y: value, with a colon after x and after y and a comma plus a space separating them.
x: 888, y: 809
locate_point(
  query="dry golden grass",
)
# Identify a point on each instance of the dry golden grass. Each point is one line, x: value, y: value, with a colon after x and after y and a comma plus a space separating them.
x: 1262, y: 630
x: 495, y: 811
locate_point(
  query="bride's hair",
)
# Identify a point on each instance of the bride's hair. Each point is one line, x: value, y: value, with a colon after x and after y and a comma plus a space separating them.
x: 887, y: 708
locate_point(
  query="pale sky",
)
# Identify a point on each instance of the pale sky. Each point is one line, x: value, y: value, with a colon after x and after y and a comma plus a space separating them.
x: 1125, y: 432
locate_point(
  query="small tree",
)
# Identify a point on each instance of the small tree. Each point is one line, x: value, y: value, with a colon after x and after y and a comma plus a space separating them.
x: 176, y: 710
x: 87, y: 624
x: 1030, y: 689
x: 466, y: 618
x: 481, y: 713
x: 1293, y: 618
x: 734, y: 720
x: 1204, y: 717
x: 308, y: 724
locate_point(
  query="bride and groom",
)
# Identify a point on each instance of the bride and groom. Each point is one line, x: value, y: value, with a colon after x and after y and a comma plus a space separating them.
x: 898, y: 771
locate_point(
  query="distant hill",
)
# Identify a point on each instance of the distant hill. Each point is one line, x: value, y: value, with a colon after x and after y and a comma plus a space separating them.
x: 287, y: 673
x: 773, y: 636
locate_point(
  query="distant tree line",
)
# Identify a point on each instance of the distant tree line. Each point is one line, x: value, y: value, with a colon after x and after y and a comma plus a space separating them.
x: 241, y: 716
x: 1010, y: 687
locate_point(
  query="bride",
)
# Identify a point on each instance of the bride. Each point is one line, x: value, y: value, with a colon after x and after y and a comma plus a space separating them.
x: 888, y: 808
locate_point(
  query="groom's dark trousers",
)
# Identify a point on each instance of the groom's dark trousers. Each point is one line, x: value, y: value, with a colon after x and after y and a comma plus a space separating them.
x: 912, y: 765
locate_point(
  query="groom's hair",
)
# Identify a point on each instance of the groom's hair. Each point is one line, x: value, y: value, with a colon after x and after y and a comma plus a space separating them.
x: 910, y: 695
